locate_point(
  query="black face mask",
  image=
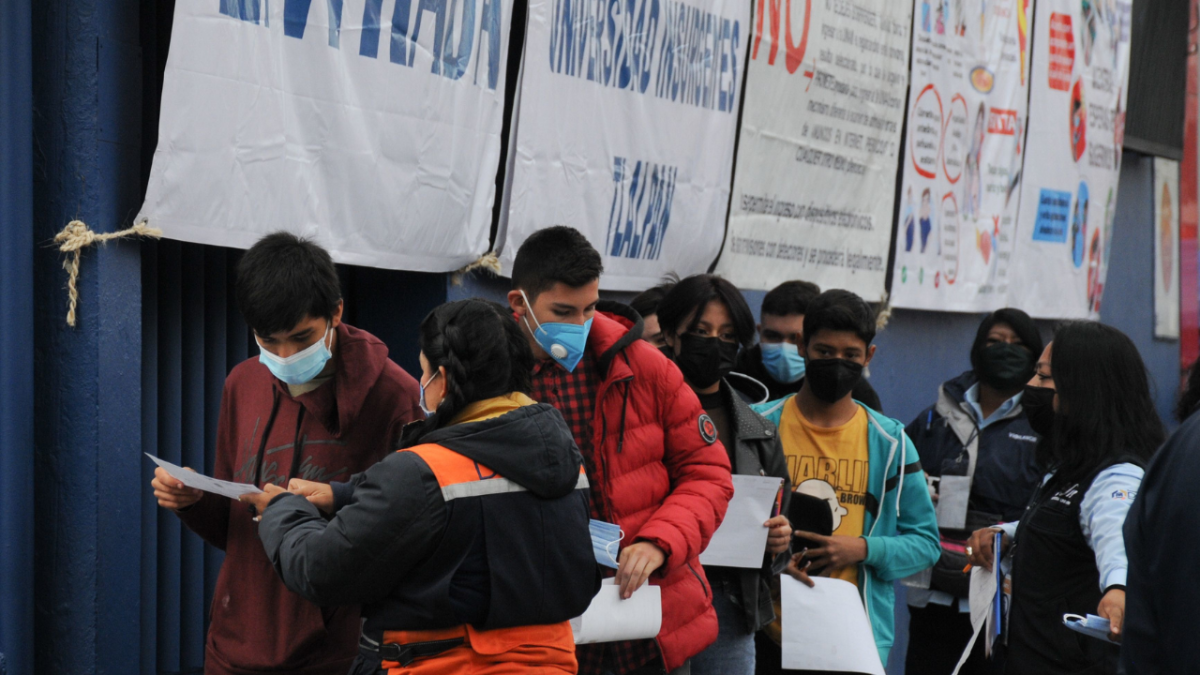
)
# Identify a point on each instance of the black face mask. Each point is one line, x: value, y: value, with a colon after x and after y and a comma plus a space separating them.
x: 831, y: 379
x: 705, y: 360
x: 1038, y: 403
x: 1005, y: 366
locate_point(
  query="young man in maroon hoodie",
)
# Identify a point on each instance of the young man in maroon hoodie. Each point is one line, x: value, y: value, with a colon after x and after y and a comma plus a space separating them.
x: 654, y: 463
x: 321, y: 401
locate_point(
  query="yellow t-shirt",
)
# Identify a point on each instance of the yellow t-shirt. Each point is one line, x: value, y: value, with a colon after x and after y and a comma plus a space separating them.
x: 830, y: 463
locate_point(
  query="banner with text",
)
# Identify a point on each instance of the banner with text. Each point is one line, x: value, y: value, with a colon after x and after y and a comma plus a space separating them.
x: 1077, y: 125
x: 371, y: 126
x: 963, y: 154
x: 816, y: 168
x: 624, y: 130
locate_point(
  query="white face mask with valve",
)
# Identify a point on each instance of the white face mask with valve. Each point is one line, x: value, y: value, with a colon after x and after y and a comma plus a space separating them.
x: 302, y: 366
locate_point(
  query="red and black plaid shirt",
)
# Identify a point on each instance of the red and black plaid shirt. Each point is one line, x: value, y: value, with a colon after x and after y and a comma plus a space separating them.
x: 574, y: 394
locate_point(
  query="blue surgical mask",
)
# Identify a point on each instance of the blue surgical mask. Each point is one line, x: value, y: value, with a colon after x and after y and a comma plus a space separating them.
x: 425, y: 409
x: 564, y: 342
x: 300, y: 367
x: 783, y: 361
x: 606, y: 538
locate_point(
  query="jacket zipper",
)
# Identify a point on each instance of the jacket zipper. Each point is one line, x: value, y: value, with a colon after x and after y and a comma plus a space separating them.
x: 698, y: 578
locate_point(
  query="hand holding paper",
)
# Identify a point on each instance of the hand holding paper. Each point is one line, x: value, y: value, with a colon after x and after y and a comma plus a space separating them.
x: 741, y: 540
x: 201, y: 482
x: 826, y: 628
x: 611, y: 619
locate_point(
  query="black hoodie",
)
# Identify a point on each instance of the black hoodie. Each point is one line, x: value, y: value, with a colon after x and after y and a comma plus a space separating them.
x: 417, y: 561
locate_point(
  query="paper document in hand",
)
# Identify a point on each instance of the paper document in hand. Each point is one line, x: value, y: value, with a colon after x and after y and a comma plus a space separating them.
x: 982, y: 595
x: 201, y: 482
x: 611, y: 619
x: 741, y: 541
x: 826, y: 628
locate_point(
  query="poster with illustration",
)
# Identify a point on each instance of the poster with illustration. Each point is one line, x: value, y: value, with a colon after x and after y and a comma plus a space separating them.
x: 963, y: 154
x: 820, y: 129
x: 1077, y: 125
x: 1166, y: 249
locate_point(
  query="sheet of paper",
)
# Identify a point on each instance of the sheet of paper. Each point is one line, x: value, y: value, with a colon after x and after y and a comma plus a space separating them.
x: 201, y: 482
x: 954, y: 493
x: 982, y: 595
x: 826, y: 628
x: 741, y: 541
x: 1091, y: 625
x: 611, y: 619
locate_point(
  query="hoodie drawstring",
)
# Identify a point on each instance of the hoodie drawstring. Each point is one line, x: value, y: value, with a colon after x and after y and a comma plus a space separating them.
x: 297, y: 446
x: 262, y: 444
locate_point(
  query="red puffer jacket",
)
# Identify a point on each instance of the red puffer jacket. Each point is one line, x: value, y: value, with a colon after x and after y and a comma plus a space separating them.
x: 659, y: 479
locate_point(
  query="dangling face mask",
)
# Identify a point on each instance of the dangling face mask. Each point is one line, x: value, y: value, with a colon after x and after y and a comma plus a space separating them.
x: 564, y: 342
x: 425, y: 408
x: 783, y: 361
x: 302, y: 366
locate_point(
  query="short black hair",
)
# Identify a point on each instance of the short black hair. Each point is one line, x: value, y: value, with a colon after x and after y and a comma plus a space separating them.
x: 1015, y: 319
x: 646, y: 303
x: 839, y: 310
x: 790, y: 297
x: 693, y: 294
x: 555, y: 254
x: 282, y: 279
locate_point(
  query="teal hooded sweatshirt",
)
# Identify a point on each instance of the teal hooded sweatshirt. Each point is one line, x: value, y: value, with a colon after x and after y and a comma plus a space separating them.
x: 900, y: 524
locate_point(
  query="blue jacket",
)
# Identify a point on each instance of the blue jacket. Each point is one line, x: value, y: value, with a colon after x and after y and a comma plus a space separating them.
x: 900, y: 525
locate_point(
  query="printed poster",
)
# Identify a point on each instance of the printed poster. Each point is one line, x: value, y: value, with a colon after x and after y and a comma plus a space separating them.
x: 1077, y: 125
x: 372, y: 127
x: 963, y: 154
x: 820, y: 139
x: 624, y: 130
x: 1167, y: 257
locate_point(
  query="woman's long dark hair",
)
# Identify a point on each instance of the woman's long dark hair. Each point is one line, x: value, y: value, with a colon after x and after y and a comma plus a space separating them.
x: 484, y: 353
x: 692, y: 295
x: 1105, y: 410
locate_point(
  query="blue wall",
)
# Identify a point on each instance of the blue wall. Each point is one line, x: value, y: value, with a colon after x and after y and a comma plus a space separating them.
x: 16, y: 339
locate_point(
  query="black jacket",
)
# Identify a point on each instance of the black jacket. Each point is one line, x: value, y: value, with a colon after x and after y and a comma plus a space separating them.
x: 419, y: 560
x: 756, y: 451
x: 1162, y: 540
x: 749, y: 364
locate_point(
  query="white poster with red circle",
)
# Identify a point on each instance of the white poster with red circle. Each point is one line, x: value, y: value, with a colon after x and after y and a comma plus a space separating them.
x: 962, y: 166
x: 1077, y: 125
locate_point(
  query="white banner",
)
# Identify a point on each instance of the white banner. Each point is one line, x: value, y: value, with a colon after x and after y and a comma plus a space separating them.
x: 963, y: 155
x: 625, y: 130
x: 1077, y: 125
x: 371, y: 125
x: 816, y: 169
x: 1166, y: 248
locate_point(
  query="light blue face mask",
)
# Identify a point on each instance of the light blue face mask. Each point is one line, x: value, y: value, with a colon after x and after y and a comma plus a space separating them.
x: 606, y: 537
x: 300, y: 367
x: 783, y: 361
x: 564, y: 342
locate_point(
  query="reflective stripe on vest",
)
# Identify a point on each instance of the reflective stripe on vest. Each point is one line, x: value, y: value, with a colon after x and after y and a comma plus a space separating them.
x: 461, y: 476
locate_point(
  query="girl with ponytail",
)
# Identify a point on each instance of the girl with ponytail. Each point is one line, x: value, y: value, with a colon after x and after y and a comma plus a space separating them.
x: 469, y: 547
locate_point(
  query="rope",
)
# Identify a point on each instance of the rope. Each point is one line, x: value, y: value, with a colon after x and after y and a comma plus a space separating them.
x: 77, y: 236
x: 488, y: 261
x: 885, y: 312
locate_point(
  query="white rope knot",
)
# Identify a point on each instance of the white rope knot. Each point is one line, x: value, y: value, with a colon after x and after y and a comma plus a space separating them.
x: 488, y: 261
x: 885, y: 312
x: 77, y: 236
